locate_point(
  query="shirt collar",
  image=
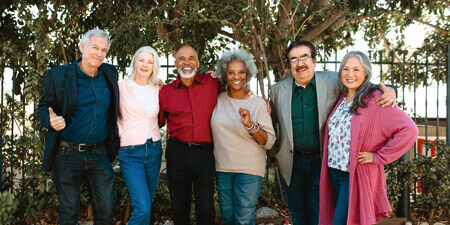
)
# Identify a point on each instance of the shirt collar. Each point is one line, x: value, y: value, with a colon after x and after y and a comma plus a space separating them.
x: 198, y: 77
x: 82, y: 74
x: 312, y: 83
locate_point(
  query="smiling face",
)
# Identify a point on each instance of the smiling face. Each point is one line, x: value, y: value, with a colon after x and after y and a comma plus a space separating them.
x: 186, y: 61
x: 352, y: 74
x: 303, y: 68
x: 144, y: 65
x: 236, y: 75
x: 94, y: 54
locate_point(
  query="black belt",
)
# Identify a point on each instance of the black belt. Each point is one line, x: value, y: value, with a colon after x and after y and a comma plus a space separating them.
x: 191, y: 145
x: 303, y: 153
x: 81, y: 147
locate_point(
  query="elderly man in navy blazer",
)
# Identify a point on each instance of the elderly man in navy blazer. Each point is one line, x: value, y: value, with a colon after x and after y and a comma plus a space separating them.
x: 79, y: 107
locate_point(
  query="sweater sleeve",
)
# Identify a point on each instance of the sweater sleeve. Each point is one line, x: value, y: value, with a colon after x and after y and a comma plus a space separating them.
x: 265, y: 123
x: 401, y: 131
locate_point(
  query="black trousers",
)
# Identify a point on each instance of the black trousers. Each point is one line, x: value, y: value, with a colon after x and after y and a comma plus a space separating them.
x: 186, y: 167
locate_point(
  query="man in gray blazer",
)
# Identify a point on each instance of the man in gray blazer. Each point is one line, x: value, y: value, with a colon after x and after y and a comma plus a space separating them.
x: 300, y: 106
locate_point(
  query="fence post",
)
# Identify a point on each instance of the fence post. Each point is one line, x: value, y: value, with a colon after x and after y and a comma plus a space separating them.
x: 403, y: 210
x: 448, y: 98
x: 1, y: 123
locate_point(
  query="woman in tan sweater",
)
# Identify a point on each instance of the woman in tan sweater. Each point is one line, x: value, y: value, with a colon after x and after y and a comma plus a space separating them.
x: 242, y: 131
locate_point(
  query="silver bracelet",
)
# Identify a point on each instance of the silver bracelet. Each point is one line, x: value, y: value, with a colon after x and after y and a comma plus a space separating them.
x: 255, y: 129
x: 251, y: 127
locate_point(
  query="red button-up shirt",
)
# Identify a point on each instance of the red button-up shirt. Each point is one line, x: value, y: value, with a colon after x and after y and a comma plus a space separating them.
x: 187, y: 110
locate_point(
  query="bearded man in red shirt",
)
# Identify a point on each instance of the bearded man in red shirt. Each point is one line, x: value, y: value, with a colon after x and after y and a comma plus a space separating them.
x: 186, y: 105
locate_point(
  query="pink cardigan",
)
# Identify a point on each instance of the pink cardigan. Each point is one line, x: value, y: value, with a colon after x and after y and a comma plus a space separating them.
x: 133, y: 123
x: 388, y: 133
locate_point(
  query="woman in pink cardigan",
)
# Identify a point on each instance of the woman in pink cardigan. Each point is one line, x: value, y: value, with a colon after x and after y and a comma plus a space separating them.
x: 360, y: 138
x: 140, y: 142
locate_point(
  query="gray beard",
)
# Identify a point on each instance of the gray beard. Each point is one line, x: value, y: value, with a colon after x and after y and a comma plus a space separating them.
x: 188, y: 75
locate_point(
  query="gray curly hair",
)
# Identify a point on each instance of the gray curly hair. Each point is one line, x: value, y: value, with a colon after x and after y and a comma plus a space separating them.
x: 236, y: 54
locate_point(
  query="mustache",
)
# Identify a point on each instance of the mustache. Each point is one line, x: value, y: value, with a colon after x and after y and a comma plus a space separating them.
x: 298, y: 68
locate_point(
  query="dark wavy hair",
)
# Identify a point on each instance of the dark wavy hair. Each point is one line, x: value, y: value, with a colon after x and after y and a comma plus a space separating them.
x: 366, y: 88
x: 300, y: 43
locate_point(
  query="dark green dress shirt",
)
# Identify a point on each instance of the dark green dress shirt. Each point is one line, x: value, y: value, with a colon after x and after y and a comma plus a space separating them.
x: 305, y: 118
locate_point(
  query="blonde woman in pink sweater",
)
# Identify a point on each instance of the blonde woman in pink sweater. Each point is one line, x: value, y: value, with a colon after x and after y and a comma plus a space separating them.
x: 140, y: 140
x: 359, y: 139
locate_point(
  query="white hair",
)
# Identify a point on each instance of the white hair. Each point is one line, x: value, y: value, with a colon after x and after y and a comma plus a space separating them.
x: 154, y: 76
x: 86, y: 40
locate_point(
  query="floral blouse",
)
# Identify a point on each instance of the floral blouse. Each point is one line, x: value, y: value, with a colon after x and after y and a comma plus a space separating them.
x: 339, y: 127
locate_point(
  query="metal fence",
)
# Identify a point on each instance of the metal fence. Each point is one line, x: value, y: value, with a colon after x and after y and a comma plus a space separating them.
x: 12, y: 157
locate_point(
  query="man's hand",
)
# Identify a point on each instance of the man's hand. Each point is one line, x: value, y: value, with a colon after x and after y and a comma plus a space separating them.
x: 388, y: 97
x: 57, y: 122
x: 160, y: 83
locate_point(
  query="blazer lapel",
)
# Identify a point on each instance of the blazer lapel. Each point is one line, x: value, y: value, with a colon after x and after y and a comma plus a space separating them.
x: 286, y: 108
x: 322, y: 93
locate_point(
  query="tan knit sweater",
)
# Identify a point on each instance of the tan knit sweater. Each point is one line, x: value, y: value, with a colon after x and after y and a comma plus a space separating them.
x: 235, y: 149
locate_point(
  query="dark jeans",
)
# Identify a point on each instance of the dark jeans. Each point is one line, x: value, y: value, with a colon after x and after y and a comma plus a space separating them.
x: 186, y: 166
x: 71, y: 167
x: 341, y: 182
x: 303, y: 192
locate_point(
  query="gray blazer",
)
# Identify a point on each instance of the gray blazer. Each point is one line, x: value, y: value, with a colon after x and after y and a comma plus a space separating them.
x: 281, y: 99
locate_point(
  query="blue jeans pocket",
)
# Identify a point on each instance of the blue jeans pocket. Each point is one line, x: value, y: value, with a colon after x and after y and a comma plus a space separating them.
x: 62, y: 151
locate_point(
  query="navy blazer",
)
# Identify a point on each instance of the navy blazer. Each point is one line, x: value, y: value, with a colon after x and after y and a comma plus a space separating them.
x: 60, y: 93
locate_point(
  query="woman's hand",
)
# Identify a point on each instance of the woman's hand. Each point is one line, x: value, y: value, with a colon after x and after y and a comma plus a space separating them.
x: 245, y: 117
x: 365, y: 157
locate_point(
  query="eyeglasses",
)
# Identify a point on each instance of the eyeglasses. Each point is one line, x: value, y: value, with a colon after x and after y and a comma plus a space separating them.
x: 303, y: 59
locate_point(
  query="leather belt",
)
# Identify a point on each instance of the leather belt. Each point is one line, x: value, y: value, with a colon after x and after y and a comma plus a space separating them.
x: 81, y: 147
x: 191, y: 145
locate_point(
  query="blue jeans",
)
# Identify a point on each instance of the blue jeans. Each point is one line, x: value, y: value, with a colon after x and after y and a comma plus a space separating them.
x: 238, y: 195
x: 71, y: 167
x: 303, y: 192
x: 140, y: 165
x: 341, y: 182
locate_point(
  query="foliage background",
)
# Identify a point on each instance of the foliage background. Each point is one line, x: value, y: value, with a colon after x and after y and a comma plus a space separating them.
x: 36, y: 35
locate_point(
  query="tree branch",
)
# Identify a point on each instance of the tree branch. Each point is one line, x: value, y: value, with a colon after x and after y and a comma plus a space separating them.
x: 408, y: 16
x: 69, y: 22
x: 385, y: 40
x: 443, y: 1
x: 312, y: 34
x: 17, y: 120
x: 266, y: 66
x: 180, y: 5
x: 339, y: 24
x: 55, y: 13
x: 226, y: 34
x: 62, y: 49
